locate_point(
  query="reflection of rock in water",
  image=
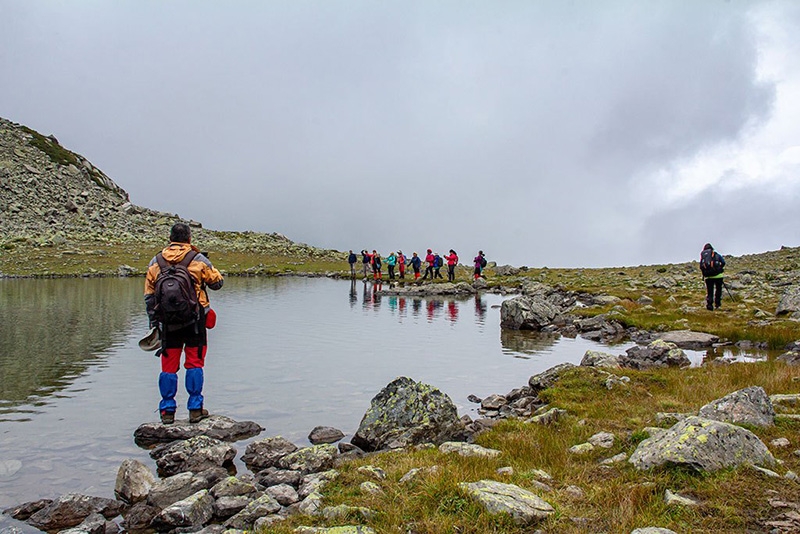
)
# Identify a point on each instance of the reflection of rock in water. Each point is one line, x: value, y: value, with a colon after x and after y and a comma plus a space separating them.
x: 526, y: 341
x: 53, y: 329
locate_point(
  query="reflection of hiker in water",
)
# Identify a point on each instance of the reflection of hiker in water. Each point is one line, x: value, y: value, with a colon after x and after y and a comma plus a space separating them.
x: 416, y: 307
x: 353, y: 293
x: 480, y: 308
x: 452, y: 310
x: 452, y: 261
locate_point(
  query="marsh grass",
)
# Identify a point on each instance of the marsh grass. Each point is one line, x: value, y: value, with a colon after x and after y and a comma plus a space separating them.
x: 617, y: 498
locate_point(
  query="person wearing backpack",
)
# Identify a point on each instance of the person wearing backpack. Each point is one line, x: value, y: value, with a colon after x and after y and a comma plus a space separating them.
x: 366, y: 261
x: 416, y: 264
x: 452, y: 261
x: 391, y: 261
x: 376, y: 266
x: 437, y: 265
x: 712, y: 265
x: 352, y: 259
x: 430, y: 260
x: 177, y: 304
x: 480, y: 264
x: 401, y: 263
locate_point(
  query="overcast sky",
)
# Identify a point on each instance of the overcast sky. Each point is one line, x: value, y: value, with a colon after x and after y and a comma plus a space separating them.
x: 547, y: 133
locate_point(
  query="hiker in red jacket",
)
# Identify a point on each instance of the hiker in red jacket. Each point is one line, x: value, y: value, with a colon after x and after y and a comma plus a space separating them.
x: 452, y: 261
x: 401, y: 263
x: 430, y: 259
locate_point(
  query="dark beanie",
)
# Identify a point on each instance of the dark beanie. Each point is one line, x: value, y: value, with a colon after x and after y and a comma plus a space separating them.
x: 708, y: 246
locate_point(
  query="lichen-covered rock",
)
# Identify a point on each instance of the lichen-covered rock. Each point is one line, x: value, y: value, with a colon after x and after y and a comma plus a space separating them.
x: 408, y: 413
x: 523, y: 506
x: 549, y: 377
x: 134, y: 481
x: 315, y: 482
x: 549, y: 417
x: 94, y: 524
x: 593, y: 358
x: 267, y: 452
x: 344, y: 529
x: 656, y: 355
x: 527, y: 313
x: 194, y: 454
x: 139, y: 517
x: 231, y: 487
x: 71, y: 509
x: 702, y: 444
x: 193, y: 511
x: 285, y: 494
x: 310, y: 459
x: 750, y: 406
x: 216, y: 426
x: 468, y: 449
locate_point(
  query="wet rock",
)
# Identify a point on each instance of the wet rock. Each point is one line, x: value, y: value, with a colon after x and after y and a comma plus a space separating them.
x: 139, y: 516
x: 657, y: 354
x: 407, y: 413
x: 71, y: 509
x: 749, y: 406
x: 216, y: 426
x: 193, y: 511
x: 687, y: 339
x: 704, y: 445
x: 25, y: 510
x: 94, y: 524
x: 267, y: 452
x: 134, y: 481
x: 524, y: 507
x: 325, y: 434
x: 194, y: 454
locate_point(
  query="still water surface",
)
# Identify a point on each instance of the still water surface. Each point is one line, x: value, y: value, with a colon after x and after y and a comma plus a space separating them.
x: 288, y: 353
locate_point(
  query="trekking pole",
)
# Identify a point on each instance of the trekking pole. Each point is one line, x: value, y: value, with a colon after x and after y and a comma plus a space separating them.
x: 728, y: 289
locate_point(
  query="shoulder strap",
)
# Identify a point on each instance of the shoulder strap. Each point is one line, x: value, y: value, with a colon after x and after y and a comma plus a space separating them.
x: 188, y: 258
x: 162, y: 263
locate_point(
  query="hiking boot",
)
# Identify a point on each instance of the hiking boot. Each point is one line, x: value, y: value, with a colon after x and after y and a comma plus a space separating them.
x: 167, y: 418
x: 195, y: 416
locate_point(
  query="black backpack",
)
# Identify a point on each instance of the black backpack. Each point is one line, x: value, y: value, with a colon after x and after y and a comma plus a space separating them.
x: 176, y: 298
x: 483, y: 262
x: 709, y: 264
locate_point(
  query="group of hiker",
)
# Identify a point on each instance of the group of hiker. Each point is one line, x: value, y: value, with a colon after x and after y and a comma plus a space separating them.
x: 373, y: 263
x: 179, y: 312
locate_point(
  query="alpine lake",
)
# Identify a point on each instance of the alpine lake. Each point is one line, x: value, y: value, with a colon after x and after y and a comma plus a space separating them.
x: 289, y: 353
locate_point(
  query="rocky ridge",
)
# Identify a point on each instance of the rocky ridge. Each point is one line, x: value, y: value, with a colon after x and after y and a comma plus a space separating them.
x: 51, y: 196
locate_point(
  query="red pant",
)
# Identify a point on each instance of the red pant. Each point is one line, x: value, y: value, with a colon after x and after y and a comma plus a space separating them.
x: 171, y: 358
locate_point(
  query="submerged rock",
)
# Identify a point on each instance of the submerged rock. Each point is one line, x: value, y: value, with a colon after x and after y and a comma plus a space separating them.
x: 688, y: 339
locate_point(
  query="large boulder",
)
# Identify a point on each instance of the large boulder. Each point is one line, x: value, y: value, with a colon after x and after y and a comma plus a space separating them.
x: 216, y: 426
x: 790, y: 301
x: 194, y: 454
x: 688, y: 339
x: 657, y: 354
x: 134, y: 481
x: 702, y: 444
x: 71, y: 509
x: 406, y: 413
x: 750, y: 406
x: 524, y: 507
x: 527, y: 313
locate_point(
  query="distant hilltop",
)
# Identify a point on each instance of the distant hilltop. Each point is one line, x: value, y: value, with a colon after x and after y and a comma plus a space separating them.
x: 50, y: 195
